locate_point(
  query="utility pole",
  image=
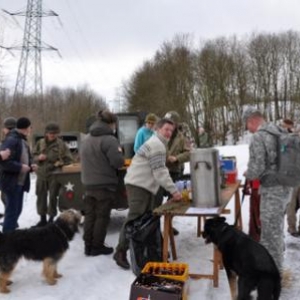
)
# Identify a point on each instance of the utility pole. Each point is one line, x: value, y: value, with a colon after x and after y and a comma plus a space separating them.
x: 29, y: 78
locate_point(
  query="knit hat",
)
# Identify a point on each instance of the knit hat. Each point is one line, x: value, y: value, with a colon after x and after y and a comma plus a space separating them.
x: 151, y: 118
x: 173, y: 116
x: 23, y: 123
x: 10, y: 123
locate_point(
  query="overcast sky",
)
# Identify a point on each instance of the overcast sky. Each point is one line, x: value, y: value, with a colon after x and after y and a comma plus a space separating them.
x: 103, y: 42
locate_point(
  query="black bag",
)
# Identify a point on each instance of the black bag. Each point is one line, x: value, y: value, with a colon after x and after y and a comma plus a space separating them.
x: 145, y: 241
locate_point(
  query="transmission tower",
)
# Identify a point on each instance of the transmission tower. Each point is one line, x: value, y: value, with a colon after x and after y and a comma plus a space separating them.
x: 29, y: 78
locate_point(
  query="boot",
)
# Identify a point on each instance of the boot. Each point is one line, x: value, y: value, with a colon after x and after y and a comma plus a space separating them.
x: 42, y: 222
x: 95, y: 251
x: 87, y: 250
x: 121, y: 259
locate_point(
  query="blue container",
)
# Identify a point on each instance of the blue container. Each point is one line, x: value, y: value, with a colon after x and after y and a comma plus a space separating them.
x: 228, y: 164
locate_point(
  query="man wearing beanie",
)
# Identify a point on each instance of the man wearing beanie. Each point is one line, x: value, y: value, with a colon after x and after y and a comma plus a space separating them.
x: 50, y: 153
x: 15, y: 172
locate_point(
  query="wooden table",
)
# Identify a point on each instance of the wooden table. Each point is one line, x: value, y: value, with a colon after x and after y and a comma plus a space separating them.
x: 172, y: 209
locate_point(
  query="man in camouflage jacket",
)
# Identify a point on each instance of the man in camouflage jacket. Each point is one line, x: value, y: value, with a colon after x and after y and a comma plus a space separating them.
x: 50, y: 153
x: 274, y: 197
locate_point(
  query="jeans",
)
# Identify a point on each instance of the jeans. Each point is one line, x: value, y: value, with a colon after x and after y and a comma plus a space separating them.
x: 13, y: 208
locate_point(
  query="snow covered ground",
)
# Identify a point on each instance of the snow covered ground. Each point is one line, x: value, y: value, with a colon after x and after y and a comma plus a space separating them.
x: 99, y: 278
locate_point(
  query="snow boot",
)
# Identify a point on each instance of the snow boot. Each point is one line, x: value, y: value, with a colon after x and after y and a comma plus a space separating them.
x: 121, y: 259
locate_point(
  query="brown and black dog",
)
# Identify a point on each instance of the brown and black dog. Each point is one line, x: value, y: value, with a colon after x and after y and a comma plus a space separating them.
x: 252, y: 263
x: 47, y: 244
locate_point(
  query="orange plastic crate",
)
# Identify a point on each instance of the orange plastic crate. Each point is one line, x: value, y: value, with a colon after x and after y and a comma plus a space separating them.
x: 176, y: 271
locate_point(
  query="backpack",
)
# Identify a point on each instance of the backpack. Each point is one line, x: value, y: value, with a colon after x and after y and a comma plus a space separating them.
x: 288, y: 158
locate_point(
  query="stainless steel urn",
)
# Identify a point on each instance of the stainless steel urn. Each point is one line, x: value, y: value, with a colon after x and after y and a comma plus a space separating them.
x: 205, y: 177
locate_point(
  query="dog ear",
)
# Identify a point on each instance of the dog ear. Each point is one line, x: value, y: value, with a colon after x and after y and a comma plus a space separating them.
x: 221, y: 219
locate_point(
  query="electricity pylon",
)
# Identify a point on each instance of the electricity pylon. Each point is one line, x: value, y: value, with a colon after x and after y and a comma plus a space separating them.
x: 29, y: 78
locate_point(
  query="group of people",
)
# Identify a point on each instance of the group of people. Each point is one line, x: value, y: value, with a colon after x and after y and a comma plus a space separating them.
x: 18, y: 161
x: 160, y: 152
x: 276, y: 200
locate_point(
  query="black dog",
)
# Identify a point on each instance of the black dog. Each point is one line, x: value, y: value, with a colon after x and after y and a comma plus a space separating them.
x: 251, y: 261
x: 47, y: 244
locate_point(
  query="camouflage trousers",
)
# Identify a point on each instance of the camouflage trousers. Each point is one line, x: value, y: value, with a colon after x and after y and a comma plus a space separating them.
x: 291, y: 212
x: 273, y: 205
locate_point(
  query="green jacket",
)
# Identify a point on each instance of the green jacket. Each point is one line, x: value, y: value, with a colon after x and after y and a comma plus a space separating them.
x: 177, y: 147
x: 58, y: 155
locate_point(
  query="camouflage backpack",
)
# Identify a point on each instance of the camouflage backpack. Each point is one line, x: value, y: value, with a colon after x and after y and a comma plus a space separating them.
x: 288, y: 158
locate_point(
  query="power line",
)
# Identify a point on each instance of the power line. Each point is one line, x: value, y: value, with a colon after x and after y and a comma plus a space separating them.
x: 29, y: 77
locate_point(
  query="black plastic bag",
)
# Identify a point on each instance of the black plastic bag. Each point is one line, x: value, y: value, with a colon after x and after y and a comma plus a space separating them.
x: 145, y: 241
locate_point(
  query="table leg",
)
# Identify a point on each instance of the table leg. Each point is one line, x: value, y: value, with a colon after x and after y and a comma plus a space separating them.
x: 238, y: 210
x: 216, y: 267
x: 167, y: 221
x: 172, y: 240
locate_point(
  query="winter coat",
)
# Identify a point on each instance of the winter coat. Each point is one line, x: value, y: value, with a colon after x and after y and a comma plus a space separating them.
x: 57, y: 153
x: 177, y: 147
x: 101, y: 156
x: 12, y: 166
x: 148, y: 167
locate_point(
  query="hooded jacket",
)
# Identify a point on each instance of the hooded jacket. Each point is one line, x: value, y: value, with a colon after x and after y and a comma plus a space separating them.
x: 101, y: 156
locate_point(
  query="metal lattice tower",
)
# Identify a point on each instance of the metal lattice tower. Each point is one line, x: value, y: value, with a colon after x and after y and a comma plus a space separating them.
x: 29, y: 78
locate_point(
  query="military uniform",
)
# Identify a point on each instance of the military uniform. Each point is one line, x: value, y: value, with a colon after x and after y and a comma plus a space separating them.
x: 274, y: 197
x: 58, y: 155
x: 291, y: 212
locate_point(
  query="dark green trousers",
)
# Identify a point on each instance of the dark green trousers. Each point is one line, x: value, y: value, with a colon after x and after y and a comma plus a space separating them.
x: 97, y: 209
x: 44, y: 187
x: 139, y: 202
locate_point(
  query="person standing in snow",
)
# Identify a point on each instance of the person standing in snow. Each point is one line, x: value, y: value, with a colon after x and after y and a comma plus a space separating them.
x: 15, y: 179
x: 50, y: 153
x: 274, y: 197
x: 145, y: 175
x: 101, y: 156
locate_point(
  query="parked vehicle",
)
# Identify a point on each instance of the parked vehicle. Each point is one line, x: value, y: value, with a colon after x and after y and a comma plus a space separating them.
x: 72, y: 192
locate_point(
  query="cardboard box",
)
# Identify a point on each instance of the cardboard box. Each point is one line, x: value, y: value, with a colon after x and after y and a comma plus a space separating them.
x: 149, y: 287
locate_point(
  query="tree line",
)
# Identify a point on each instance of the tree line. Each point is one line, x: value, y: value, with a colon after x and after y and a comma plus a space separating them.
x: 210, y: 85
x: 70, y: 108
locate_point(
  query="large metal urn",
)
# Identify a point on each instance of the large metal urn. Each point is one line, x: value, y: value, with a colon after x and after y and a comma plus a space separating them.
x: 205, y: 177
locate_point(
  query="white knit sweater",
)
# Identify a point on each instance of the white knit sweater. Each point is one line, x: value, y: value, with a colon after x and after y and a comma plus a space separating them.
x: 148, y: 167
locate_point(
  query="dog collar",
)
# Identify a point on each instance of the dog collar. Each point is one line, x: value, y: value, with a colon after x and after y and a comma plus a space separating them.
x: 63, y: 233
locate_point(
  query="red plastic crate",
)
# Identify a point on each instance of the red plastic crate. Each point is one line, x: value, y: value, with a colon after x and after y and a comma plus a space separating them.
x: 231, y: 177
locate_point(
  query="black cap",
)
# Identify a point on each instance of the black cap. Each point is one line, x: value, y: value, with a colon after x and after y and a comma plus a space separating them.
x: 23, y: 123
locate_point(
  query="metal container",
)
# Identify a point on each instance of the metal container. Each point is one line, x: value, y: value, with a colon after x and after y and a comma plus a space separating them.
x: 205, y: 177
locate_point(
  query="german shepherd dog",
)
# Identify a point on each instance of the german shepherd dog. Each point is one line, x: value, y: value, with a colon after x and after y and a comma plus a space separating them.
x: 47, y: 244
x: 252, y: 263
